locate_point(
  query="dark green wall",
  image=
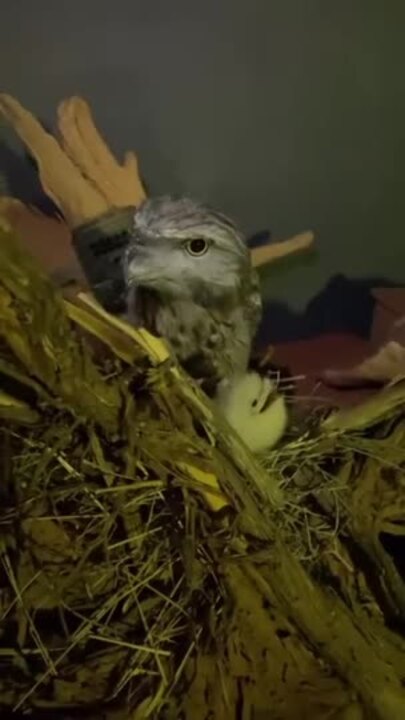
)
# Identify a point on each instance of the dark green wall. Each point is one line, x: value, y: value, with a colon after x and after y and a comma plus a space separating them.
x: 288, y: 114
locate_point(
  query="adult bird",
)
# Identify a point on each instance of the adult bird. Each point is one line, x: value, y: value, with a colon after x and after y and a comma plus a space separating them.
x: 189, y: 279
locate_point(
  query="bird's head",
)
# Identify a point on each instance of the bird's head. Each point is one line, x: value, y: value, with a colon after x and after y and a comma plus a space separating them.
x: 184, y: 250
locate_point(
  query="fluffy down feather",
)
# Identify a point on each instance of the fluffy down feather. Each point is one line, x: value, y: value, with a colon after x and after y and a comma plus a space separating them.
x: 253, y: 408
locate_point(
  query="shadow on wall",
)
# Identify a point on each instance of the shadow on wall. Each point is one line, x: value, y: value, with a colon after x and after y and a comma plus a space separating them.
x: 343, y: 306
x: 19, y: 179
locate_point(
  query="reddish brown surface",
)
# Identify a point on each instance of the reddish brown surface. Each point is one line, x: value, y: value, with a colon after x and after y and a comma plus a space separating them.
x: 311, y: 357
x: 390, y: 307
x: 48, y: 240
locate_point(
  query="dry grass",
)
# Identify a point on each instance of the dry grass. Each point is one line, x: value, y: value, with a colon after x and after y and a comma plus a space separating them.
x: 116, y: 575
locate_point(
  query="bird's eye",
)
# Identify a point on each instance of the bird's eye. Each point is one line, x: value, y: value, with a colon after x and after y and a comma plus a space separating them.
x: 197, y: 247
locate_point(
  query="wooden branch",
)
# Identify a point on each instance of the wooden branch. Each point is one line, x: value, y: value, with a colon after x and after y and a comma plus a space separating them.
x: 274, y: 251
x: 364, y: 517
x: 81, y: 141
x: 79, y: 173
x: 261, y: 664
x: 62, y: 181
x: 384, y: 366
x: 342, y: 638
x: 367, y: 413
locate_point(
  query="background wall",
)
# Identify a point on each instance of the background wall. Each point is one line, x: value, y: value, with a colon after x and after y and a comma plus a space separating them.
x: 288, y: 114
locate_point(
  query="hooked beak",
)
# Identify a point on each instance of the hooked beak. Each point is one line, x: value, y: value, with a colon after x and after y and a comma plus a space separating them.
x: 137, y: 266
x: 140, y: 276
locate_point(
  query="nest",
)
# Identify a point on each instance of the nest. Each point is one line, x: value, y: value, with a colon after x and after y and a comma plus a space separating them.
x: 152, y: 568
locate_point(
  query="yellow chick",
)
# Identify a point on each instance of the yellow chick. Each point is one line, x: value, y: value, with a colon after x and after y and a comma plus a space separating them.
x: 255, y: 410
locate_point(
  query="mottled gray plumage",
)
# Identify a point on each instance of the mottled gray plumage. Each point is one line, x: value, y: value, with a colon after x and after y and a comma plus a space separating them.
x: 190, y: 280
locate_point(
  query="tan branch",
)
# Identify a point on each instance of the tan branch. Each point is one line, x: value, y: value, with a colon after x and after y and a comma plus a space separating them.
x: 121, y: 185
x: 274, y: 251
x: 60, y: 178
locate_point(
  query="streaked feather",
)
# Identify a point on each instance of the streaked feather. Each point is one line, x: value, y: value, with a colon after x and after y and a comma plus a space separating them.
x: 207, y: 307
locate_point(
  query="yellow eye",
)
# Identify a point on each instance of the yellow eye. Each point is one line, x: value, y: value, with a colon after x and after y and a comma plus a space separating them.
x: 197, y: 247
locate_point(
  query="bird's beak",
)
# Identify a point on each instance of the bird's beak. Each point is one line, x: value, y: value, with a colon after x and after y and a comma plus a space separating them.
x: 136, y: 275
x: 137, y: 266
x: 139, y: 271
